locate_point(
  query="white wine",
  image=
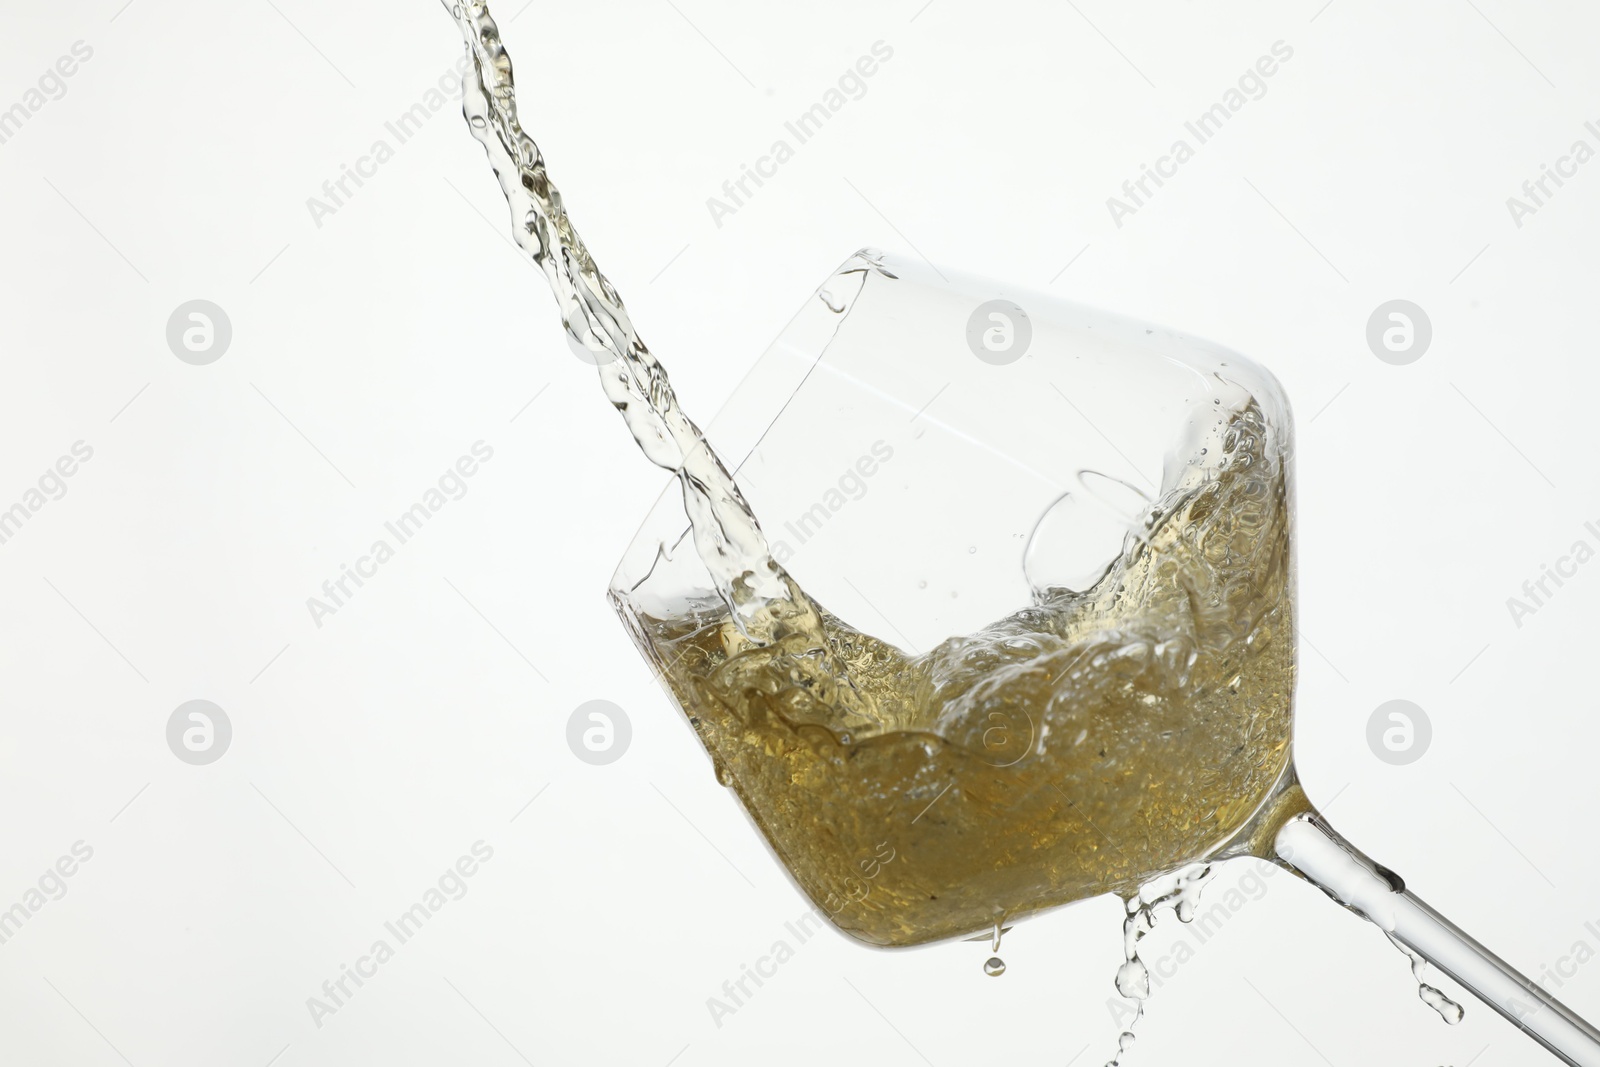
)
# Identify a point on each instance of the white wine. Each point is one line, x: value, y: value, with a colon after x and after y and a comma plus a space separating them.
x: 1082, y: 745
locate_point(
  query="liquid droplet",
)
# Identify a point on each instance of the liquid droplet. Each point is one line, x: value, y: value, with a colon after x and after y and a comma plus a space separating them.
x: 1125, y: 1042
x: 1181, y: 893
x: 993, y: 936
x: 1432, y: 996
x: 1448, y: 1010
x: 995, y: 967
x: 1133, y: 980
x: 833, y: 303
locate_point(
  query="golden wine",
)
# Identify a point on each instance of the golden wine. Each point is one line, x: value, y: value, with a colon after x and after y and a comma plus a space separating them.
x: 1080, y: 746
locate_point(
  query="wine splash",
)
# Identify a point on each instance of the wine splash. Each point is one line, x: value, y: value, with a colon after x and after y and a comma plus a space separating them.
x: 764, y: 602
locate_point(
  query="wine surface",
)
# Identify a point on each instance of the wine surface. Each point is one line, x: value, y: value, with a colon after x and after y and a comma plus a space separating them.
x: 1082, y: 745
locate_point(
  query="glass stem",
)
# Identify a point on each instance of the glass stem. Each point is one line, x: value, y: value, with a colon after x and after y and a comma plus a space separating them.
x: 1308, y: 846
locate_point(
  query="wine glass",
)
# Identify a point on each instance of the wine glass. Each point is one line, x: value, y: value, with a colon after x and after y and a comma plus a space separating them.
x: 1077, y: 530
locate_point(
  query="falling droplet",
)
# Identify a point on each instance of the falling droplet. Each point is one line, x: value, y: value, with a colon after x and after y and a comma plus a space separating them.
x: 995, y: 967
x: 1432, y: 996
x: 1133, y: 980
x: 1448, y: 1010
x: 1125, y: 1042
x: 1179, y: 892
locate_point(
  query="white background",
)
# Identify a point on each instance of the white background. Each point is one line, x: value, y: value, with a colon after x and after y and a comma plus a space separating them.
x: 372, y: 351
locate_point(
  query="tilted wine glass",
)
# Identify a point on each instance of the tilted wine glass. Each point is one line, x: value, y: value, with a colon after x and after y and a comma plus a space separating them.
x: 929, y: 453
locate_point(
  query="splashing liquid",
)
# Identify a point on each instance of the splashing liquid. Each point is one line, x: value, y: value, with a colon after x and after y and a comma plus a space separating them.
x: 1432, y: 996
x: 1179, y: 893
x: 764, y: 602
x: 1082, y: 745
x: 1148, y: 715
